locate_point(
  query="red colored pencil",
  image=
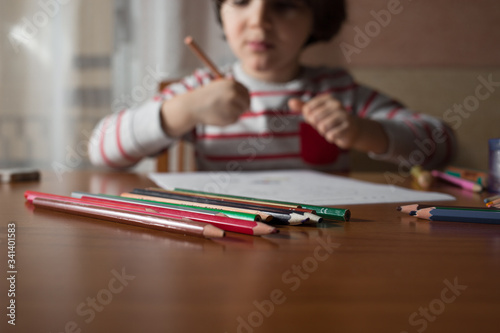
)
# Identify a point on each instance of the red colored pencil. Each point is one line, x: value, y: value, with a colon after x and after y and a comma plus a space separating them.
x: 222, y: 222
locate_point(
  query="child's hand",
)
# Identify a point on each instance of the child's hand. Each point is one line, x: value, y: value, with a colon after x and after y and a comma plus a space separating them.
x: 219, y: 103
x: 328, y: 116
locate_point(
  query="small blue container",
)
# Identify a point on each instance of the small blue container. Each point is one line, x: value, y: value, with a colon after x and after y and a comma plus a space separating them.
x: 494, y: 173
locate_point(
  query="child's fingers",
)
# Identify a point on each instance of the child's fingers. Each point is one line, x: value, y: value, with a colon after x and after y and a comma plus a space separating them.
x: 314, y: 104
x: 295, y: 104
x: 321, y: 107
x: 330, y: 122
x: 321, y: 100
x: 240, y: 105
x: 338, y: 134
x: 242, y: 90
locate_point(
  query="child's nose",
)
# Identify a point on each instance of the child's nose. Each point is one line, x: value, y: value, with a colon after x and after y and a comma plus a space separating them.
x: 260, y: 14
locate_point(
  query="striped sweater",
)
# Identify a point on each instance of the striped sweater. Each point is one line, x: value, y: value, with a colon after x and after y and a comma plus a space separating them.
x: 269, y: 135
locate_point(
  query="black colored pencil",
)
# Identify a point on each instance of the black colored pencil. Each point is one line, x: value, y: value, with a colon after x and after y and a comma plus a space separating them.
x: 310, y: 213
x: 281, y: 216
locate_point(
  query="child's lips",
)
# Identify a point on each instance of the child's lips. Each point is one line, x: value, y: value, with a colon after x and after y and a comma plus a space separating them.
x: 259, y: 46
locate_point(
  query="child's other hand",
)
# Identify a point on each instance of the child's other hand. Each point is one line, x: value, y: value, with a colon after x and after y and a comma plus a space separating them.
x: 329, y: 117
x: 219, y: 103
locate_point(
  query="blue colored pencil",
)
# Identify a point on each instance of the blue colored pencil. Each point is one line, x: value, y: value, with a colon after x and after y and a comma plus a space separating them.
x: 459, y: 215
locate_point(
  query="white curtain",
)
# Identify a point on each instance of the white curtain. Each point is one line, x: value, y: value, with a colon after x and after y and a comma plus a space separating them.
x: 64, y: 64
x: 149, y: 46
x: 36, y: 52
x: 149, y: 36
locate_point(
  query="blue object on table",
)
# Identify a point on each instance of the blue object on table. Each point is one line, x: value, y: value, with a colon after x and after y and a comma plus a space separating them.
x: 494, y: 159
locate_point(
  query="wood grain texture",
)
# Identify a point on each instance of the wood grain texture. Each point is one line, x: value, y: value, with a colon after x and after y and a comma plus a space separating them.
x: 383, y: 267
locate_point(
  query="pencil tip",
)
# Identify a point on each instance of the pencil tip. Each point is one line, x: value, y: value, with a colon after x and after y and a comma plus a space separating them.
x: 264, y: 229
x: 313, y: 218
x: 296, y: 219
x: 210, y: 231
x: 399, y: 208
x: 413, y: 213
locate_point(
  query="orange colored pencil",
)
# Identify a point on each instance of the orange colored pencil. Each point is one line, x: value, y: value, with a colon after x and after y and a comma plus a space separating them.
x: 493, y: 203
x: 189, y: 41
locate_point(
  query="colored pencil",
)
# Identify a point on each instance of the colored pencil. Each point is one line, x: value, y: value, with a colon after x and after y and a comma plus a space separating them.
x: 414, y: 207
x: 181, y: 208
x: 475, y: 176
x: 491, y: 199
x: 83, y: 208
x: 493, y: 203
x: 280, y: 216
x: 263, y: 217
x: 203, y: 57
x: 463, y: 183
x: 220, y: 221
x: 306, y: 212
x: 338, y: 214
x: 459, y: 215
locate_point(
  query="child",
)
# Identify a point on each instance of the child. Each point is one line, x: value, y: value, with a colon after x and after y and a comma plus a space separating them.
x: 268, y: 111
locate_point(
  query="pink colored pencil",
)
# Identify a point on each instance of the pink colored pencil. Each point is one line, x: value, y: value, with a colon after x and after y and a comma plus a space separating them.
x: 222, y: 222
x: 460, y: 182
x: 162, y: 223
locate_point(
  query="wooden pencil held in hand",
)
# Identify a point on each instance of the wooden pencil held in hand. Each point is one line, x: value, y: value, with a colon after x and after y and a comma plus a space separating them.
x: 180, y: 157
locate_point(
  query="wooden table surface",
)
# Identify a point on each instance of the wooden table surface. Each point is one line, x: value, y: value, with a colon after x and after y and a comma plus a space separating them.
x: 382, y: 272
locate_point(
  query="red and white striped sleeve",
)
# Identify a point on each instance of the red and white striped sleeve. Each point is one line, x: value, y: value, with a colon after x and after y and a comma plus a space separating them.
x: 414, y: 138
x: 122, y: 139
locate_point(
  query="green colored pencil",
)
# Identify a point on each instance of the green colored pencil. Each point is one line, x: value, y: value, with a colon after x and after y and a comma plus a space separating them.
x: 337, y: 214
x: 235, y: 215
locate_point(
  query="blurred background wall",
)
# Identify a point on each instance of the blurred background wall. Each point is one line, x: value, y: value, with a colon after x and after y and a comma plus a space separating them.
x: 64, y: 64
x: 433, y: 55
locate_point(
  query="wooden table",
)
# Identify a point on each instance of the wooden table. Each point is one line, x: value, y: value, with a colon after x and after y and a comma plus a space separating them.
x: 381, y: 272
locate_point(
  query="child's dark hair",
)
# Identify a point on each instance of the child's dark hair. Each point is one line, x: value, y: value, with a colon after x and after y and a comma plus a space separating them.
x: 328, y: 17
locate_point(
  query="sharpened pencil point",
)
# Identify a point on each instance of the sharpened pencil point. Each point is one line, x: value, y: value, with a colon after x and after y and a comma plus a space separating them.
x: 413, y: 213
x: 313, y: 218
x: 296, y: 219
x: 210, y: 231
x: 263, y: 229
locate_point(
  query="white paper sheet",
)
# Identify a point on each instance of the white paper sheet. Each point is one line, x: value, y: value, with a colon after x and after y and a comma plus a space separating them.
x: 302, y: 186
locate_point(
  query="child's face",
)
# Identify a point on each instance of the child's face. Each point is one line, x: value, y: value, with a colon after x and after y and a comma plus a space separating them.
x: 267, y: 36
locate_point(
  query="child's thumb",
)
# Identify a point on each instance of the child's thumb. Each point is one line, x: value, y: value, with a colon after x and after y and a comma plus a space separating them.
x: 295, y: 104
